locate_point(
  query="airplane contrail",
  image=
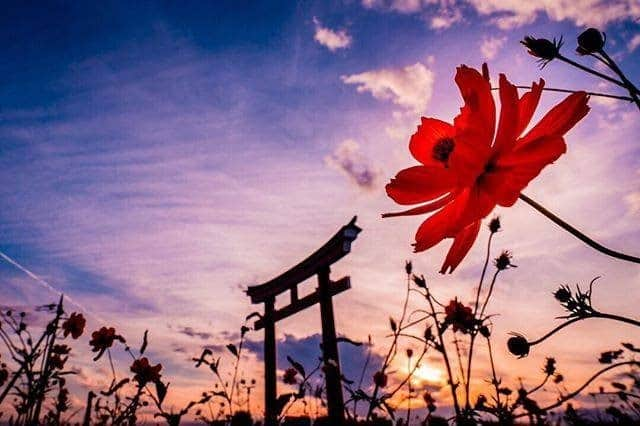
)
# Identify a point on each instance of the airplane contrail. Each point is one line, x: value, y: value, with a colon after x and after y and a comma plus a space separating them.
x: 49, y: 286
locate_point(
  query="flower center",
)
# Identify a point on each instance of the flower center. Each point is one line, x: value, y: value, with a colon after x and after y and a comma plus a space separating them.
x: 443, y: 149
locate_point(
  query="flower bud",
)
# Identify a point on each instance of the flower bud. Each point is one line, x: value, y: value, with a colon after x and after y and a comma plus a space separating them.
x: 408, y: 267
x: 590, y: 41
x: 494, y: 225
x: 518, y: 346
x: 380, y: 379
x: 562, y: 295
x: 420, y: 281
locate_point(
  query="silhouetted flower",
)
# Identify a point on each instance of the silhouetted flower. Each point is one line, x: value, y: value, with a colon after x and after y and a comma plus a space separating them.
x: 518, y: 346
x: 480, y: 402
x: 545, y: 50
x: 380, y: 379
x: 550, y: 366
x: 494, y: 225
x: 420, y: 281
x: 103, y: 339
x: 290, y: 376
x: 503, y: 261
x: 144, y: 372
x: 409, y: 353
x: 460, y: 316
x: 74, y: 325
x: 408, y: 267
x: 430, y: 401
x: 590, y: 41
x: 484, y: 331
x: 558, y: 378
x: 57, y: 362
x: 562, y: 295
x: 60, y: 349
x: 609, y: 356
x: 469, y: 168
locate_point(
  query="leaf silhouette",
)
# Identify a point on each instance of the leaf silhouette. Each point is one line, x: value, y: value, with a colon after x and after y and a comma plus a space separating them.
x: 232, y: 348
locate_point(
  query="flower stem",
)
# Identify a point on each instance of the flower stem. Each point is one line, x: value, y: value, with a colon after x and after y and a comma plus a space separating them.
x: 590, y: 71
x: 553, y: 89
x: 579, y: 235
x: 633, y: 90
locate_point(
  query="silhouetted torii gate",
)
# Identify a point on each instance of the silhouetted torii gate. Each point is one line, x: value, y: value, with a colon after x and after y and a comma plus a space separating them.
x: 319, y: 264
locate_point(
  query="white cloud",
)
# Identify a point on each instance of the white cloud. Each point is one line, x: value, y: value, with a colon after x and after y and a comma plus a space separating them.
x: 634, y: 43
x: 633, y: 202
x: 349, y: 160
x: 445, y: 18
x: 331, y: 39
x: 508, y: 14
x: 410, y: 87
x: 490, y: 46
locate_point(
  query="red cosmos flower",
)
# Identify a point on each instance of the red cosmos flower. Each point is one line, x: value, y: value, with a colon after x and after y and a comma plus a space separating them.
x: 144, y: 372
x: 74, y: 325
x: 460, y: 316
x: 470, y: 167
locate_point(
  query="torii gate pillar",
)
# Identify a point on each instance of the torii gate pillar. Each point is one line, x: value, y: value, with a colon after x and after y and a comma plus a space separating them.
x: 318, y: 264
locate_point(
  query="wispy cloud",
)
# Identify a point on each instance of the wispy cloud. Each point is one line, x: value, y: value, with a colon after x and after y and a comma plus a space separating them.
x: 633, y: 43
x: 490, y: 46
x: 348, y: 159
x: 410, y: 87
x: 512, y: 14
x: 331, y: 39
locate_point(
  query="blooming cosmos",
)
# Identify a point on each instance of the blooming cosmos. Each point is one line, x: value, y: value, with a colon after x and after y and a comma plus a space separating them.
x: 145, y: 372
x: 74, y: 325
x: 469, y: 167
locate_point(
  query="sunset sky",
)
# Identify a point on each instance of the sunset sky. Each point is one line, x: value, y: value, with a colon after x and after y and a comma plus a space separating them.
x: 157, y: 158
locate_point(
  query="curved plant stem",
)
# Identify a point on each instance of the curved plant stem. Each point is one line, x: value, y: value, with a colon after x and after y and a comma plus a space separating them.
x: 579, y: 235
x: 595, y: 314
x: 575, y: 393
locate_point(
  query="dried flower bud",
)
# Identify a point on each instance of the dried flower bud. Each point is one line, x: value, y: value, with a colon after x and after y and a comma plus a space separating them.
x: 543, y: 48
x: 550, y: 366
x: 420, y: 281
x: 380, y: 379
x: 408, y: 267
x: 518, y: 346
x: 503, y: 261
x: 484, y: 331
x: 494, y: 225
x: 393, y: 324
x: 590, y: 41
x: 562, y: 295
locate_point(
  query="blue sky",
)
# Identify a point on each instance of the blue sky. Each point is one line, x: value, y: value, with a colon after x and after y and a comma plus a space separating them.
x: 159, y: 157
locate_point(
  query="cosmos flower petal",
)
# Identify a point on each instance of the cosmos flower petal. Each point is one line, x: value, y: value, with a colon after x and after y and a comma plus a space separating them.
x: 514, y: 171
x: 462, y: 243
x: 508, y: 124
x: 429, y: 133
x: 425, y: 208
x: 527, y: 106
x: 466, y: 208
x: 419, y: 184
x: 478, y: 115
x: 561, y: 118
